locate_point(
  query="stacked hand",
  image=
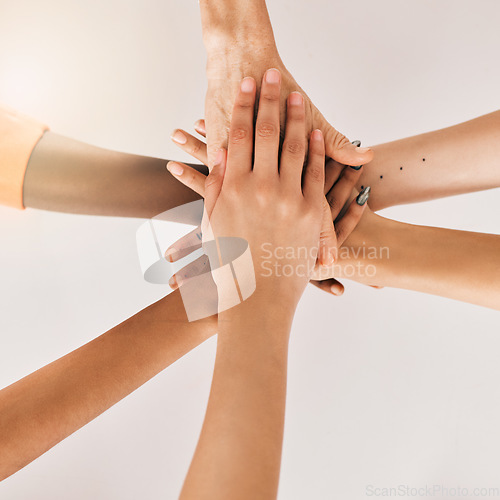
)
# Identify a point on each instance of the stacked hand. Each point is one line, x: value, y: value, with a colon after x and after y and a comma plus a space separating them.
x: 340, y: 180
x: 250, y: 52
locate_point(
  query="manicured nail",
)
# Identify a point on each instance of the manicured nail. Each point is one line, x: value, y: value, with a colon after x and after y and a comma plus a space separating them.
x: 178, y: 137
x: 363, y: 196
x: 247, y: 84
x: 296, y: 99
x: 272, y: 76
x: 218, y: 157
x: 174, y: 168
x: 356, y: 144
x: 170, y: 253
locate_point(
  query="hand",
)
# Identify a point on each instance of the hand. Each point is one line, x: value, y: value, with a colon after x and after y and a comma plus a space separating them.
x: 264, y: 203
x: 338, y: 187
x: 228, y: 63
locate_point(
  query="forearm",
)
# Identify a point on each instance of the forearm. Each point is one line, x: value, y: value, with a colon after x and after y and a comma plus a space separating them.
x: 454, y: 160
x: 45, y: 407
x: 459, y: 265
x: 235, y: 22
x: 66, y: 175
x: 239, y: 451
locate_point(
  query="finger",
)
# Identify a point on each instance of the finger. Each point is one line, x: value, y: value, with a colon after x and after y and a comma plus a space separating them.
x: 341, y: 191
x: 199, y: 266
x: 342, y: 150
x: 189, y: 176
x: 214, y: 180
x: 217, y: 126
x: 190, y: 144
x: 346, y: 225
x: 333, y: 170
x: 267, y: 127
x: 331, y: 286
x: 200, y: 127
x: 314, y: 177
x: 184, y: 246
x: 240, y: 149
x: 294, y: 146
x: 327, y: 251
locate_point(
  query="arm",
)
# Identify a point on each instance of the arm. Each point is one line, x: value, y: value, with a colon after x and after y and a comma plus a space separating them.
x: 66, y: 175
x: 42, y: 409
x: 239, y: 450
x: 459, y: 265
x: 239, y: 41
x: 454, y: 160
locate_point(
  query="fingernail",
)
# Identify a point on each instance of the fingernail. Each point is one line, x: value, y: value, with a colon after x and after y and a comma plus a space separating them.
x: 317, y: 135
x: 198, y: 126
x: 175, y: 281
x: 178, y: 137
x: 169, y: 254
x: 363, y: 196
x: 218, y: 157
x: 356, y: 143
x: 247, y: 84
x: 296, y: 99
x: 336, y: 290
x: 174, y: 168
x: 364, y: 150
x: 272, y: 76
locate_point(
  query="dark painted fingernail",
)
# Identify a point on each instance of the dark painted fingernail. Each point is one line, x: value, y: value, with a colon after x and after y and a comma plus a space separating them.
x: 357, y: 144
x: 363, y: 196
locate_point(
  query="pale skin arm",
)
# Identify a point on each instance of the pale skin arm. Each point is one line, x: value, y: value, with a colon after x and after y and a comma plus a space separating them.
x: 42, y: 409
x: 455, y: 160
x: 239, y: 41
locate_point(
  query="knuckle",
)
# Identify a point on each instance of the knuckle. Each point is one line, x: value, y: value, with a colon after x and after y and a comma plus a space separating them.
x: 270, y: 96
x: 194, y: 149
x: 316, y: 173
x: 238, y: 135
x: 266, y: 129
x: 294, y: 147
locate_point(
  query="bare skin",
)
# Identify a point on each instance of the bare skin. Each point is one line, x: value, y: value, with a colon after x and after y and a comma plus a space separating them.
x: 239, y: 450
x: 45, y: 407
x: 380, y: 252
x: 239, y: 41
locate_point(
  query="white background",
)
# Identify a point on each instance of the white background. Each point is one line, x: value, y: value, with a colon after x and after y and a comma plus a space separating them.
x: 385, y: 387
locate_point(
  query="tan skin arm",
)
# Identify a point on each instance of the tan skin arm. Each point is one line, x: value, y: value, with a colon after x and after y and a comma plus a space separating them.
x: 65, y: 175
x: 42, y: 409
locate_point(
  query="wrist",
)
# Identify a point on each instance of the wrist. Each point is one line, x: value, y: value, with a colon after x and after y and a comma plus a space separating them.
x: 369, y: 255
x: 235, y: 23
x: 266, y: 312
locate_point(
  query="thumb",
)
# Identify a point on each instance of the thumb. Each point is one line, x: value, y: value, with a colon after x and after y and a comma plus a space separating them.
x: 339, y: 148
